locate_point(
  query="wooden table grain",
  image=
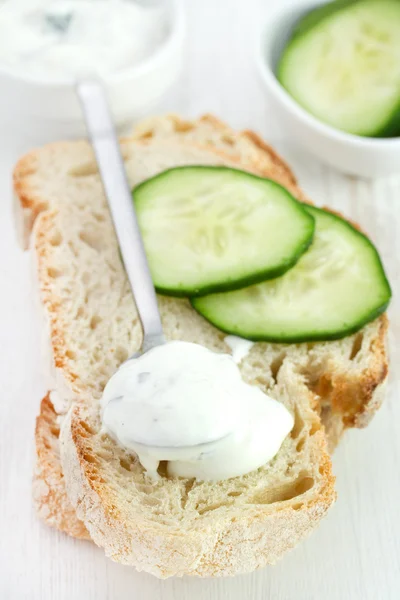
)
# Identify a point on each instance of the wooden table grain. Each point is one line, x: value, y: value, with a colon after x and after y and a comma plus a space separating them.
x: 355, y: 554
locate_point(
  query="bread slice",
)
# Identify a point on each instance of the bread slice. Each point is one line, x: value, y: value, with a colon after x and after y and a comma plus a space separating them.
x: 49, y: 493
x: 37, y: 189
x: 51, y: 499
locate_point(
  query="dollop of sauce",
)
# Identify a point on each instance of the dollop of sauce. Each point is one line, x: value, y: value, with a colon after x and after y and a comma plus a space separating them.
x: 189, y: 406
x: 78, y: 38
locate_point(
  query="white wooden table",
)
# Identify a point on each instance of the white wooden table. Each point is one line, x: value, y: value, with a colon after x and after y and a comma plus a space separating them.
x: 355, y: 554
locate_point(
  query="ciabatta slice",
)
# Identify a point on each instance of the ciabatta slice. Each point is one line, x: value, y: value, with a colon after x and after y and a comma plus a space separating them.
x: 85, y: 172
x: 176, y: 526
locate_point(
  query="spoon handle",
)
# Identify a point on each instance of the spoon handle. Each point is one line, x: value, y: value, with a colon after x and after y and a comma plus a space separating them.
x: 104, y: 141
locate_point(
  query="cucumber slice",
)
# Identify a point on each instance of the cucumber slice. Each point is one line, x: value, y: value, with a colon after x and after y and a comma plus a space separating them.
x: 210, y: 229
x: 342, y: 65
x: 338, y: 286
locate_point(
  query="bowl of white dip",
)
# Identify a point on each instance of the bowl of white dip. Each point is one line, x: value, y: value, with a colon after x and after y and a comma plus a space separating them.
x: 134, y: 46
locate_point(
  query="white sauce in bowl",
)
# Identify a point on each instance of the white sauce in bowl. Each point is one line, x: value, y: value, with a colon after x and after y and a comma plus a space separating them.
x: 72, y: 38
x: 189, y: 406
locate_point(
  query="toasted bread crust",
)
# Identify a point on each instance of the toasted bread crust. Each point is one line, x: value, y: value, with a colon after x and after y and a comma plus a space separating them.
x: 49, y: 492
x: 282, y: 171
x: 358, y: 398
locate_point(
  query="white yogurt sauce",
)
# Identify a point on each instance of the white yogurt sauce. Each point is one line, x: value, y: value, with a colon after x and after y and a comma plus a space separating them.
x: 58, y: 38
x: 239, y: 346
x: 189, y: 406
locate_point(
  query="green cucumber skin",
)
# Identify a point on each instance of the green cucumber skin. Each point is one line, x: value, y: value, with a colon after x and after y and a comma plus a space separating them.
x: 308, y: 22
x: 327, y: 336
x: 229, y: 286
x: 238, y: 284
x: 322, y: 336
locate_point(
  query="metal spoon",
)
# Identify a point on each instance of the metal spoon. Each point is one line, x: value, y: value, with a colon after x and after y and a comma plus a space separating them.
x: 104, y: 141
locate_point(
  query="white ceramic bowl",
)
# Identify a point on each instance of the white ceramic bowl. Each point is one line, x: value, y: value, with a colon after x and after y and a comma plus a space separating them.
x: 366, y: 157
x: 45, y: 110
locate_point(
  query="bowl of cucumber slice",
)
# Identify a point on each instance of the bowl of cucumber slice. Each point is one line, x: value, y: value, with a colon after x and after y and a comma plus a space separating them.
x: 332, y: 74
